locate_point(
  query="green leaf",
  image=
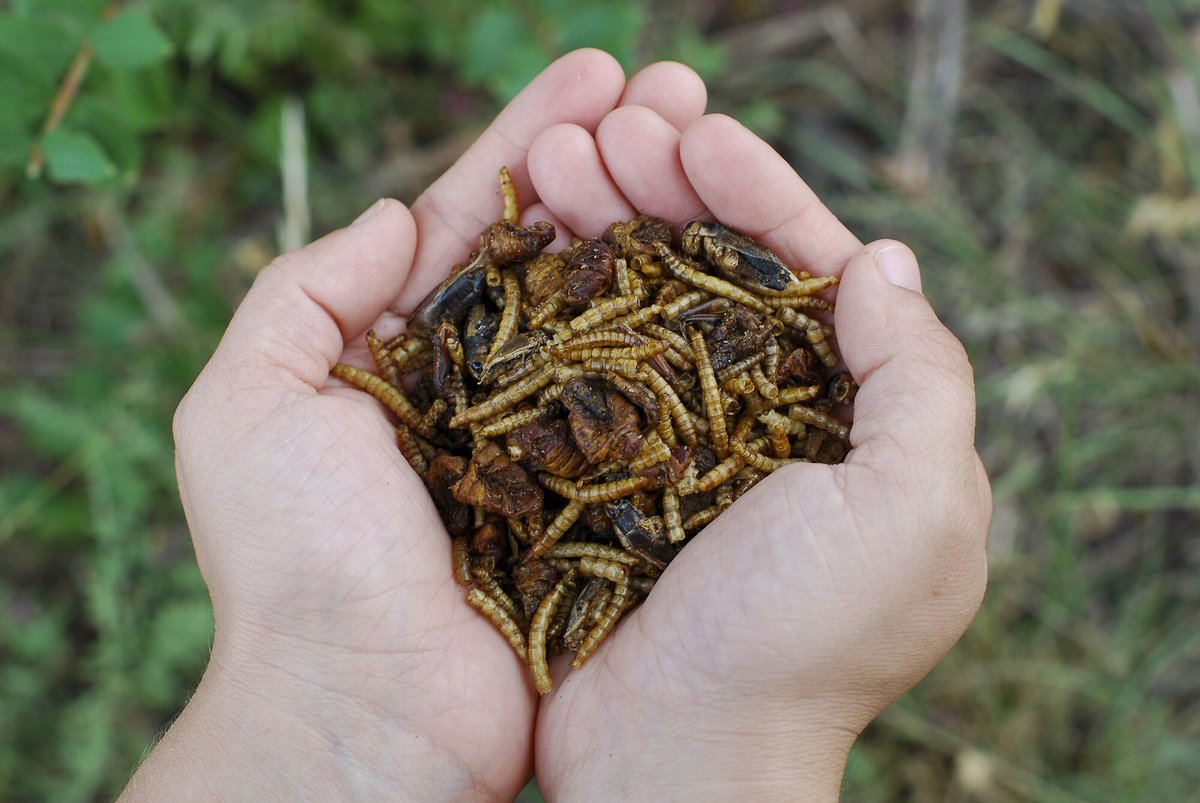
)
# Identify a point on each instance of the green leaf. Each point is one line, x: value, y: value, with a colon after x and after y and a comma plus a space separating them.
x: 492, y: 39
x: 72, y: 156
x: 129, y: 41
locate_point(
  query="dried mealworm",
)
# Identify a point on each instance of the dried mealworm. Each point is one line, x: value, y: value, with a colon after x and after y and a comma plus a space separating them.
x: 706, y: 281
x: 768, y: 389
x: 508, y: 423
x: 602, y: 311
x: 605, y: 569
x: 702, y: 518
x: 509, y: 318
x: 501, y: 619
x: 621, y: 600
x: 383, y: 358
x: 506, y: 399
x: 460, y: 560
x: 537, y: 632
x: 586, y: 549
x: 681, y: 304
x: 511, y: 208
x: 796, y: 394
x: 594, y: 494
x: 654, y: 451
x: 820, y: 420
x: 392, y: 398
x: 540, y: 315
x: 720, y: 473
x: 406, y: 442
x: 557, y: 528
x: 670, y: 506
x: 711, y: 393
x: 669, y: 400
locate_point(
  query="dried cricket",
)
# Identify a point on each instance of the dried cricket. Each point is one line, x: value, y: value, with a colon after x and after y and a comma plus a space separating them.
x: 579, y: 417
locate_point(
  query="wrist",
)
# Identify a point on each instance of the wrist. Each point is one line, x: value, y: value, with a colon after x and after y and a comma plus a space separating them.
x: 257, y: 731
x: 782, y: 751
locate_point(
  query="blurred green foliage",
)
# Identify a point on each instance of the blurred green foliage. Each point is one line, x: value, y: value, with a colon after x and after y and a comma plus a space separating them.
x: 1058, y: 240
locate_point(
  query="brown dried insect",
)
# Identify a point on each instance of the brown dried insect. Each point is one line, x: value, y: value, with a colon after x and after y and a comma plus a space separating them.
x: 579, y: 417
x: 736, y: 255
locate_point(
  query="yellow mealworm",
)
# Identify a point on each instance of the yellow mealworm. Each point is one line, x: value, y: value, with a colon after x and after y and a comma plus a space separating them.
x: 508, y: 423
x: 653, y: 452
x: 669, y: 400
x: 682, y: 304
x: 460, y: 560
x: 621, y: 600
x: 509, y: 318
x: 512, y: 210
x: 602, y: 311
x: 391, y: 397
x: 604, y: 569
x: 406, y: 442
x: 501, y: 619
x: 740, y: 367
x: 740, y: 385
x: 594, y: 494
x: 601, y: 337
x: 706, y: 281
x: 672, y: 338
x: 643, y: 351
x: 537, y: 633
x: 805, y: 287
x: 702, y: 518
x: 557, y: 528
x: 711, y: 393
x: 781, y: 443
x: 816, y: 418
x: 505, y: 399
x: 766, y: 388
x: 720, y: 473
x: 670, y: 508
x: 586, y: 549
x: 490, y: 586
x: 761, y: 461
x: 491, y: 275
x: 383, y: 359
x: 796, y: 394
x: 540, y: 315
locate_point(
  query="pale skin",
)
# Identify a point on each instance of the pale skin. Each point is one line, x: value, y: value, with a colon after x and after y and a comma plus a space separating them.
x: 346, y: 662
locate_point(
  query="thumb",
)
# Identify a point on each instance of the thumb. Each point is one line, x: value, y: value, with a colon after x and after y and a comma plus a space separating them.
x: 915, y: 410
x: 303, y: 308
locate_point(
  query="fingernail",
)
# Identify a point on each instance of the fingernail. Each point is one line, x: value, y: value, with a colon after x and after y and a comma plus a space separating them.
x: 899, y: 266
x: 370, y: 213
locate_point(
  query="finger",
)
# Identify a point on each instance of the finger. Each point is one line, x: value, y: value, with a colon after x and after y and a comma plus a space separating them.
x: 579, y: 88
x: 748, y: 186
x: 306, y: 305
x: 915, y: 410
x: 671, y: 89
x: 641, y: 151
x: 571, y: 179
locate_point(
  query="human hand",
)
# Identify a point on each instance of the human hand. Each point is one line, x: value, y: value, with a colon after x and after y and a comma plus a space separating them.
x: 789, y: 623
x: 346, y: 662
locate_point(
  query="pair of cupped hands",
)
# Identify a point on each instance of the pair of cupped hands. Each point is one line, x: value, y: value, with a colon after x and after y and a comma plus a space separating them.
x: 347, y: 664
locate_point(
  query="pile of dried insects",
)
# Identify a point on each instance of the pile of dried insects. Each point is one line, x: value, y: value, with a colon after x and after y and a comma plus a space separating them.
x: 578, y: 416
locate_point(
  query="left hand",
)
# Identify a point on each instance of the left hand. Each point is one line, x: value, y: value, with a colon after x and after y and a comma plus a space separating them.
x: 346, y: 662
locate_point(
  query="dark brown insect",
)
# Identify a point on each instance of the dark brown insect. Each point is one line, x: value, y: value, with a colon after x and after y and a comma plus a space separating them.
x: 495, y: 483
x: 589, y: 272
x: 736, y: 255
x: 578, y: 418
x: 603, y: 422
